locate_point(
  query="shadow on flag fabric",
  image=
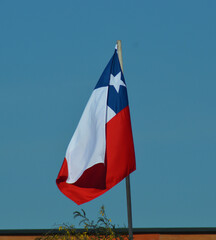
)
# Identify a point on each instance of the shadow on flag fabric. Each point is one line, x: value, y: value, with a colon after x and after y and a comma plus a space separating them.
x: 101, y: 151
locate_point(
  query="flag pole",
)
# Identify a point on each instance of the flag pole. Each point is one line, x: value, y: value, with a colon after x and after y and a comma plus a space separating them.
x: 128, y: 192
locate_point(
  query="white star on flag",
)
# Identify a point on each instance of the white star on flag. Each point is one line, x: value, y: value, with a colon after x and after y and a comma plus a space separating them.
x: 116, y: 81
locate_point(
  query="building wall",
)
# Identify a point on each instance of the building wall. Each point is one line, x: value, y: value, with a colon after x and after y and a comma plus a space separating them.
x: 175, y: 237
x: 139, y: 237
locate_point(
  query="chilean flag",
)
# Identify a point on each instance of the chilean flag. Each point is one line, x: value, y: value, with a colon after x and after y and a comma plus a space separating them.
x: 101, y: 151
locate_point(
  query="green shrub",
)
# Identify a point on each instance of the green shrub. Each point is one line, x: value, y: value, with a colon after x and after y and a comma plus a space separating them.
x: 91, y: 230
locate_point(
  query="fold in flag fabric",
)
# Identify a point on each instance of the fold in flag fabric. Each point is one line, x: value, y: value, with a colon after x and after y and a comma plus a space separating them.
x: 101, y: 151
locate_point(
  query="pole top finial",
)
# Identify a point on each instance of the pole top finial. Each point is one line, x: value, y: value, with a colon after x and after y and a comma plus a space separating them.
x: 119, y: 50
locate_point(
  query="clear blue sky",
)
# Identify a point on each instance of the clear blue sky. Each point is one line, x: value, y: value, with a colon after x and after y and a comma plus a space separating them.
x: 51, y: 56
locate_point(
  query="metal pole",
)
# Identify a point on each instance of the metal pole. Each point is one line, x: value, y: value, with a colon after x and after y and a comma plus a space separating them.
x: 129, y: 210
x: 128, y: 193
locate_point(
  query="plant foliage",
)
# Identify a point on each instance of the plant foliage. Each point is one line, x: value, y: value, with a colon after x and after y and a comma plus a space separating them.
x: 91, y: 230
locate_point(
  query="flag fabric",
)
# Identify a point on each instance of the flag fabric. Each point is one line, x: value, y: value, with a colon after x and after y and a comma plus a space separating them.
x: 101, y: 151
